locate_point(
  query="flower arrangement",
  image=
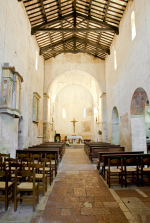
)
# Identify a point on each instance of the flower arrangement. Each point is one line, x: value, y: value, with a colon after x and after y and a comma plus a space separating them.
x: 99, y: 132
x: 67, y: 143
x: 57, y: 138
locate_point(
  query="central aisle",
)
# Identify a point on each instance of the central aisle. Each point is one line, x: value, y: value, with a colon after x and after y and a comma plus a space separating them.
x: 80, y: 195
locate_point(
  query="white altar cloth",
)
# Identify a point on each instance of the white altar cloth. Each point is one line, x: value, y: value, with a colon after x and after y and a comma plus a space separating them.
x: 74, y: 137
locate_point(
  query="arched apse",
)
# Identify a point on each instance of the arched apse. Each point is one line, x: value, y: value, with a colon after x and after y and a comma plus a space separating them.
x: 115, y: 127
x: 75, y: 79
x: 140, y: 120
x: 73, y: 104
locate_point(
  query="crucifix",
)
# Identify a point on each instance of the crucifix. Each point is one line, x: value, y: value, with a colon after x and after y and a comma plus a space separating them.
x: 74, y: 123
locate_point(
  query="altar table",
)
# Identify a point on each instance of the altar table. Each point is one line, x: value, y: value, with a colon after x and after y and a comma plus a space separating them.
x: 74, y: 138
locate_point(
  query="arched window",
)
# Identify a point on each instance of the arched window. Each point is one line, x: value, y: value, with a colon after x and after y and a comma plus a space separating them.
x: 64, y: 112
x: 133, y: 25
x: 115, y: 60
x: 84, y: 112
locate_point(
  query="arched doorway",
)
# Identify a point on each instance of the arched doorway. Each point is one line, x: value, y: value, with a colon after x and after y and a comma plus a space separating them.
x: 115, y: 127
x: 140, y: 120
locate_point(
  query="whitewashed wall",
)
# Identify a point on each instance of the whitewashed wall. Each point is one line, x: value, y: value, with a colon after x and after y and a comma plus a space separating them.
x: 79, y: 62
x: 133, y: 67
x: 18, y: 48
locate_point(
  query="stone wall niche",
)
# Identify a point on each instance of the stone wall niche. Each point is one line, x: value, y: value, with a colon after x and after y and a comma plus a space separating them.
x: 10, y: 102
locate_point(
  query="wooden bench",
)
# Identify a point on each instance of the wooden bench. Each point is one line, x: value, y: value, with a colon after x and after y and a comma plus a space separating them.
x: 107, y: 156
x: 88, y: 147
x: 63, y: 144
x: 87, y: 144
x: 135, y: 161
x: 43, y: 151
x: 43, y: 147
x: 94, y: 155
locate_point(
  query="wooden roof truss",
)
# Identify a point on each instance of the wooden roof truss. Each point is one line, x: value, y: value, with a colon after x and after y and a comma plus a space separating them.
x: 74, y: 26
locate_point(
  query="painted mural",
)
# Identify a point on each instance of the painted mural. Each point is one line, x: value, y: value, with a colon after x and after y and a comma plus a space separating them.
x: 86, y: 126
x: 139, y: 101
x: 89, y: 111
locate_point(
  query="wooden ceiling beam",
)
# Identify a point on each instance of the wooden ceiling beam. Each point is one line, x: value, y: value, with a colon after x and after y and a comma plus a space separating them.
x: 61, y: 18
x: 76, y: 30
x: 49, y: 23
x: 90, y: 19
x: 98, y: 46
x: 89, y: 13
x: 104, y: 19
x: 106, y: 10
x: 74, y: 51
x: 43, y: 10
x: 44, y: 49
x: 79, y: 39
x: 60, y: 15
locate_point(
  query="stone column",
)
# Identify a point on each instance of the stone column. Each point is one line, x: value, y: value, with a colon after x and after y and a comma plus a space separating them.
x: 46, y: 124
x: 104, y: 116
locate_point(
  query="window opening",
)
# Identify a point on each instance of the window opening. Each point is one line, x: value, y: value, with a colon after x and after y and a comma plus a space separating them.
x: 115, y: 60
x: 133, y: 25
x: 64, y: 112
x: 84, y: 112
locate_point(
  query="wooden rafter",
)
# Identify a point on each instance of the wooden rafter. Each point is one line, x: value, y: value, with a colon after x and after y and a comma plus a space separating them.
x: 81, y: 40
x: 76, y: 30
x: 62, y: 26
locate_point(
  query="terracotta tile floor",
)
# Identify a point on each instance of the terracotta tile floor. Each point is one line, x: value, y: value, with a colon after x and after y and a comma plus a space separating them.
x: 80, y: 195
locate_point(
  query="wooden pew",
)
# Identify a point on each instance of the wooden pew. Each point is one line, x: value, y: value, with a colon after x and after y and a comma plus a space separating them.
x: 138, y: 163
x: 88, y: 148
x: 88, y: 144
x: 95, y: 151
x: 44, y: 147
x: 56, y: 143
x: 40, y: 150
x: 107, y: 156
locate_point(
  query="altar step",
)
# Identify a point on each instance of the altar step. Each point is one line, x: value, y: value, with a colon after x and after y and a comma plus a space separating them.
x: 75, y: 146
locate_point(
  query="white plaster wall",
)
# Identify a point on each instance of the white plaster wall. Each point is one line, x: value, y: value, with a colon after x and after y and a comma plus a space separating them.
x: 73, y: 98
x: 18, y: 48
x: 76, y: 77
x: 133, y: 66
x: 69, y: 62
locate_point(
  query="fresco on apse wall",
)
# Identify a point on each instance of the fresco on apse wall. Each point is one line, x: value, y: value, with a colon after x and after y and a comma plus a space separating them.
x: 125, y: 121
x: 86, y: 126
x: 139, y: 101
x: 89, y: 111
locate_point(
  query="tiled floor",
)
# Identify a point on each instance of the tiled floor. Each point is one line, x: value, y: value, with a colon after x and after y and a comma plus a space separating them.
x: 80, y: 195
